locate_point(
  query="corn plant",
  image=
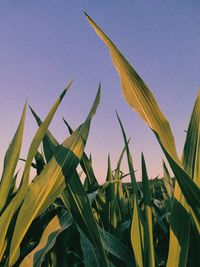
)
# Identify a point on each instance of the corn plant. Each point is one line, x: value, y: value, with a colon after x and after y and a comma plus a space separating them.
x: 59, y: 220
x: 185, y: 214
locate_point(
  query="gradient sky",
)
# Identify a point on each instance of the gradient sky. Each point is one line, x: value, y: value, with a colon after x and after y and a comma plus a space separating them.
x: 44, y: 44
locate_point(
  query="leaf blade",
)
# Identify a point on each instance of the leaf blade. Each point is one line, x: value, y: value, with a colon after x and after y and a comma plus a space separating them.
x: 140, y: 98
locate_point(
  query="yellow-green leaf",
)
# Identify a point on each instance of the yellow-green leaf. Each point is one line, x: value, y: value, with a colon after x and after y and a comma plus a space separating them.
x: 148, y: 237
x: 10, y: 162
x: 140, y: 98
x: 180, y: 220
x: 51, y: 182
x: 14, y: 205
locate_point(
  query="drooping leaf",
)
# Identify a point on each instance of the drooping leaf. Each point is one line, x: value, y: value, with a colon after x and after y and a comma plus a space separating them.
x: 140, y: 98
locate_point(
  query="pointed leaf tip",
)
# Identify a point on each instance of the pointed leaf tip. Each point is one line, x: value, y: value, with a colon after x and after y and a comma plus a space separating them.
x: 95, y: 104
x: 86, y: 14
x: 65, y: 90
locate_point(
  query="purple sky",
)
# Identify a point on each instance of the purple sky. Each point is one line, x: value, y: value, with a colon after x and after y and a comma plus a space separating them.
x: 44, y: 44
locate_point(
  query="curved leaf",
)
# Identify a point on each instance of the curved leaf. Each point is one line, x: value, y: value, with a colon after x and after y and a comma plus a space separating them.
x: 140, y: 98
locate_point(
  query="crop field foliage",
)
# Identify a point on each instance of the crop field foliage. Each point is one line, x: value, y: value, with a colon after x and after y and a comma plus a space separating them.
x: 57, y: 220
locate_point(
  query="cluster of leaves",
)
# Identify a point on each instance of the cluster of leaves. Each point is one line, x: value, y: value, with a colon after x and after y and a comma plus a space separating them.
x: 84, y: 222
x: 56, y: 220
x: 185, y: 212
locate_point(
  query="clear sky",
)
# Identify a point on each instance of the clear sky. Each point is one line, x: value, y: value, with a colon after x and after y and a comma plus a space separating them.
x: 44, y: 44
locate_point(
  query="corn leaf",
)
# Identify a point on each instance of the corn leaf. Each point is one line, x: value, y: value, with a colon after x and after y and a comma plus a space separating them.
x: 180, y: 220
x: 74, y: 196
x: 76, y: 201
x: 136, y: 224
x: 114, y: 246
x: 148, y: 238
x: 50, y: 144
x: 55, y: 227
x: 89, y: 253
x: 64, y: 222
x: 10, y: 162
x: 86, y: 165
x: 167, y: 182
x: 50, y: 183
x: 111, y: 200
x: 140, y: 98
x: 39, y: 161
x: 40, y: 135
x: 14, y: 205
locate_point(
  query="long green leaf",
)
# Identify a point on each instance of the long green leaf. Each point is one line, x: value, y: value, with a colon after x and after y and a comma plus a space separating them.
x: 89, y: 253
x: 167, y: 182
x: 40, y: 135
x: 86, y: 166
x: 10, y: 162
x: 180, y: 232
x: 111, y: 200
x: 117, y: 248
x: 191, y: 151
x: 149, y: 247
x: 77, y: 202
x: 136, y: 224
x: 50, y: 144
x: 140, y: 98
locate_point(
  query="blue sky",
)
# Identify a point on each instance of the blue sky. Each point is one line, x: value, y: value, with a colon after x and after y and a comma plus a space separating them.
x: 45, y: 44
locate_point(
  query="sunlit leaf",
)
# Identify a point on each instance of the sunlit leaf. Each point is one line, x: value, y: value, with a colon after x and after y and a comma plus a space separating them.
x: 140, y: 98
